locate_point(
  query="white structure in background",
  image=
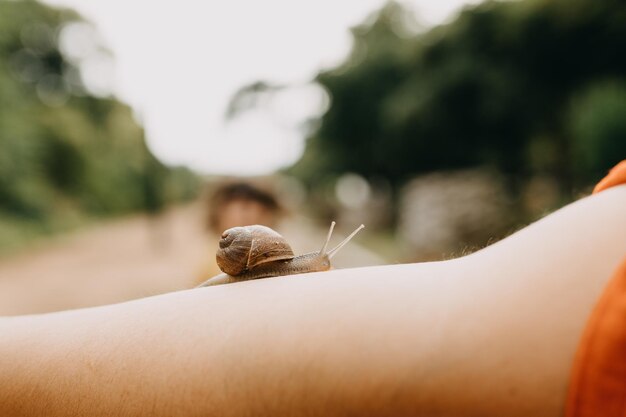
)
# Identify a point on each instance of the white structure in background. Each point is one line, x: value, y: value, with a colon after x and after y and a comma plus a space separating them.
x: 448, y: 212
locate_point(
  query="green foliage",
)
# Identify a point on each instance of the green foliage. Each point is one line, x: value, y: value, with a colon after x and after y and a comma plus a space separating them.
x: 492, y: 88
x: 64, y: 153
x: 598, y: 125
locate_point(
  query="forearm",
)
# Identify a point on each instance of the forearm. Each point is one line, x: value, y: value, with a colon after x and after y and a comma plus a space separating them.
x: 334, y: 345
x: 301, y: 344
x: 491, y: 334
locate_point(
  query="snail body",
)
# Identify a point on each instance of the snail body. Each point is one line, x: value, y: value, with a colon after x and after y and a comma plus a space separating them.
x: 253, y: 252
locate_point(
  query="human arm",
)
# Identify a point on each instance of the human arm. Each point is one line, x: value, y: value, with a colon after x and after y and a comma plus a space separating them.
x: 493, y: 333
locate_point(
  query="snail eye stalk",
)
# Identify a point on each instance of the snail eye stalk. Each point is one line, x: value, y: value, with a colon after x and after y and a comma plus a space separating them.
x: 336, y: 249
x: 330, y: 233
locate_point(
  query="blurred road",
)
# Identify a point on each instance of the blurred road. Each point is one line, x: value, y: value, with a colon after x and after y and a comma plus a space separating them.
x: 135, y: 257
x: 111, y: 262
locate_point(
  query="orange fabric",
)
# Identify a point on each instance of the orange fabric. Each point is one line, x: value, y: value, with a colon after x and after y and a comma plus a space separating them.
x: 598, y: 380
x: 617, y: 176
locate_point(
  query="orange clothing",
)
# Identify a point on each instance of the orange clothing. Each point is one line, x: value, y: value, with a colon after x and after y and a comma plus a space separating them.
x: 598, y: 380
x: 616, y: 176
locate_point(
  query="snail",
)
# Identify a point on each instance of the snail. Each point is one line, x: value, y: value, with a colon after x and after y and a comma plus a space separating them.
x: 252, y: 252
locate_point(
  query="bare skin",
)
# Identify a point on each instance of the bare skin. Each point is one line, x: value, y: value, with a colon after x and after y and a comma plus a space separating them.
x: 489, y: 334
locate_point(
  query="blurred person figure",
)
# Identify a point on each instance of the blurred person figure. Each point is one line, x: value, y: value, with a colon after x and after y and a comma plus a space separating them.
x: 239, y: 203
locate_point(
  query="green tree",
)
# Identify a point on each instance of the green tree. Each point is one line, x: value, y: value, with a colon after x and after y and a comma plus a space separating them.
x: 598, y: 128
x: 490, y: 88
x: 64, y: 152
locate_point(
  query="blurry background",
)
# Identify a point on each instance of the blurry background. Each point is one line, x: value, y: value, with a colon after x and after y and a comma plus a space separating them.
x: 132, y: 132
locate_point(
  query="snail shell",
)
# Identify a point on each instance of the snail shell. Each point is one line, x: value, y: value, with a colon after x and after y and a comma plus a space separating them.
x: 243, y: 248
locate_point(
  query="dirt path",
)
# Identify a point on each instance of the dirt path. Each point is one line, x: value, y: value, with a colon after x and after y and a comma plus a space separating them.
x: 112, y: 262
x: 130, y: 258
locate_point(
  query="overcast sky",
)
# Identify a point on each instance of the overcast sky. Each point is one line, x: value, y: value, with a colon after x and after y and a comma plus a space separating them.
x: 178, y: 64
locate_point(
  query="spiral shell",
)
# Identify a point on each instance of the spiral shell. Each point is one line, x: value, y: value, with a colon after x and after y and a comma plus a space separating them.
x: 243, y: 248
